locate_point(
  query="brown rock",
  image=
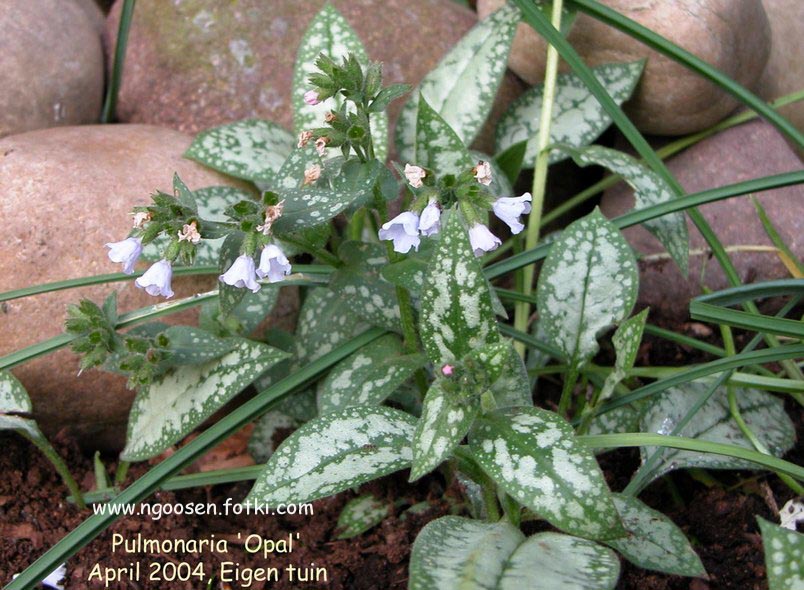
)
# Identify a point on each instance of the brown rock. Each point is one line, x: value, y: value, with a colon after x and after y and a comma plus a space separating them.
x: 68, y: 191
x: 51, y: 65
x: 750, y: 151
x: 94, y: 13
x: 785, y: 71
x: 201, y: 63
x: 732, y: 35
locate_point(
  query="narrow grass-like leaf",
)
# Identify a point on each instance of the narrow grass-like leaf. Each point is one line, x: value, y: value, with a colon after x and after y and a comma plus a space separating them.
x: 456, y: 313
x: 369, y: 376
x: 447, y: 414
x: 784, y: 556
x: 251, y: 149
x: 788, y: 257
x: 453, y: 553
x: 330, y: 34
x: 653, y: 541
x: 438, y: 147
x: 552, y: 560
x: 335, y: 452
x: 359, y: 515
x: 578, y: 117
x: 649, y: 189
x: 588, y: 282
x: 463, y: 85
x: 534, y: 456
x: 763, y: 413
x: 179, y: 401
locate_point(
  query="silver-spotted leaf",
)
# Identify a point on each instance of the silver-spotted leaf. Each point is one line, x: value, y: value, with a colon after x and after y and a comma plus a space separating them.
x: 368, y: 376
x: 463, y: 85
x: 438, y: 147
x: 291, y: 174
x: 653, y: 541
x: 626, y: 340
x: 15, y: 407
x: 329, y: 33
x: 588, y: 282
x: 261, y: 441
x: 578, y: 118
x: 534, y: 456
x: 193, y: 346
x: 359, y: 515
x: 549, y: 561
x: 325, y: 321
x: 512, y: 388
x: 649, y: 189
x: 335, y: 452
x: 456, y: 313
x: 252, y: 149
x: 784, y: 556
x: 176, y: 403
x: 212, y: 202
x: 447, y: 414
x: 763, y: 413
x: 453, y: 553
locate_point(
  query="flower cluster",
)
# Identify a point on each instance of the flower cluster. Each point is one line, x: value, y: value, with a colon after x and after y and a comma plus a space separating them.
x: 243, y: 273
x: 425, y: 219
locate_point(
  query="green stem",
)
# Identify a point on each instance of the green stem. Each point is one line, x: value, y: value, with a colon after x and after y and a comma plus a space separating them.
x: 121, y: 472
x: 522, y: 309
x: 61, y: 467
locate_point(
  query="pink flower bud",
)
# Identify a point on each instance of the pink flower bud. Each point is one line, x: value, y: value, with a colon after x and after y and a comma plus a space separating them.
x: 311, y: 97
x: 447, y: 370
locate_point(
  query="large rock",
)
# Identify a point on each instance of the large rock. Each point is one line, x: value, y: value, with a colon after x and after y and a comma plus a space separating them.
x: 742, y: 153
x: 66, y: 192
x: 732, y: 35
x: 785, y: 71
x: 51, y: 65
x: 200, y: 63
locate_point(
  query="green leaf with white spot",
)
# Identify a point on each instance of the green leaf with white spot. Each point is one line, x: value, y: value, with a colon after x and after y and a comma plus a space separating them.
x: 193, y: 346
x: 212, y: 202
x: 291, y: 174
x: 588, y: 282
x: 15, y: 407
x: 616, y: 421
x: 369, y: 376
x: 438, y: 147
x: 261, y: 441
x: 534, y: 456
x: 359, y: 515
x: 325, y: 321
x: 784, y: 556
x: 183, y: 194
x: 626, y: 340
x: 456, y: 314
x: 649, y: 189
x: 763, y: 413
x: 329, y: 33
x: 251, y: 149
x: 512, y: 388
x: 454, y: 553
x: 552, y: 560
x: 336, y: 452
x: 653, y: 541
x: 176, y: 403
x: 459, y: 553
x: 448, y: 412
x: 309, y: 206
x: 578, y: 118
x: 462, y: 87
x: 360, y: 282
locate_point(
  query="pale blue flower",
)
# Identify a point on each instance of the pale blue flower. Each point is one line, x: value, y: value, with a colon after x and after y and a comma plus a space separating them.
x: 127, y: 252
x: 403, y: 230
x: 509, y: 209
x: 430, y: 220
x: 273, y: 264
x: 482, y: 239
x: 156, y: 280
x: 242, y: 274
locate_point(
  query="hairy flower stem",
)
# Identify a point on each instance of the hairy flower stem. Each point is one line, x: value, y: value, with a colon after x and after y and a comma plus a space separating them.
x: 522, y: 309
x: 48, y: 451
